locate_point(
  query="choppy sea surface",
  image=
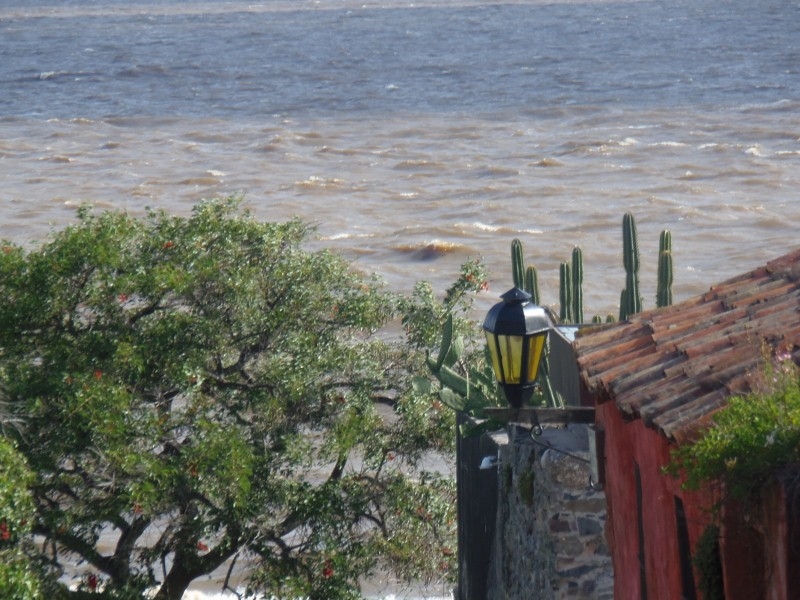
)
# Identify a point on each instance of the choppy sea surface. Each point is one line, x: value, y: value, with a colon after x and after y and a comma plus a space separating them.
x: 415, y: 135
x: 418, y: 134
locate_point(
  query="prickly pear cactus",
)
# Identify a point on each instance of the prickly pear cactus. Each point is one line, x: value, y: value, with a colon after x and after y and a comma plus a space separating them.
x: 467, y: 394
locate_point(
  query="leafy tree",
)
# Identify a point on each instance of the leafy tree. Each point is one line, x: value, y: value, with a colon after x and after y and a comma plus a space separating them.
x: 18, y: 574
x: 199, y: 391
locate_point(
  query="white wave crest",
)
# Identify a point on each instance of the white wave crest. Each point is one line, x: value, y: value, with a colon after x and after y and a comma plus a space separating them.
x: 756, y: 150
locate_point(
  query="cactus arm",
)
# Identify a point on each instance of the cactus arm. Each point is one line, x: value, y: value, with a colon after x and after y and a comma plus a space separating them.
x: 532, y: 284
x: 664, y: 290
x: 452, y: 400
x: 565, y: 293
x: 623, y: 305
x: 517, y: 264
x: 552, y: 398
x: 577, y: 285
x: 630, y: 244
x: 665, y: 242
x: 630, y: 260
x: 664, y: 287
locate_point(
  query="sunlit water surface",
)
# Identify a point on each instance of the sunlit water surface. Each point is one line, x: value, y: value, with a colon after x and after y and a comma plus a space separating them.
x: 417, y: 135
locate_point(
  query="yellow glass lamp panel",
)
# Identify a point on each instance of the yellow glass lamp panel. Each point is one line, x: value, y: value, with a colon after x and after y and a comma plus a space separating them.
x: 490, y: 342
x: 536, y: 346
x: 507, y: 357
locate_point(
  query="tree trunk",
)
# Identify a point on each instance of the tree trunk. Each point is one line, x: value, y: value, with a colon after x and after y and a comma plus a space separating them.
x: 186, y: 568
x: 177, y: 581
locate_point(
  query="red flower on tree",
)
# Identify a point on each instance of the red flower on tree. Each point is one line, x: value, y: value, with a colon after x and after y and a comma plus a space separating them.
x: 327, y: 570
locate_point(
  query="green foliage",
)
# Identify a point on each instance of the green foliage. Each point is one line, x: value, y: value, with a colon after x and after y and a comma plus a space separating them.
x: 460, y: 373
x: 752, y: 439
x: 210, y: 379
x: 708, y: 564
x: 424, y: 315
x: 466, y: 384
x: 20, y: 577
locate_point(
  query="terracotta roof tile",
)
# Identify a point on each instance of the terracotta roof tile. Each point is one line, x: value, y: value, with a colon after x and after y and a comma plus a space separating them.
x: 675, y: 367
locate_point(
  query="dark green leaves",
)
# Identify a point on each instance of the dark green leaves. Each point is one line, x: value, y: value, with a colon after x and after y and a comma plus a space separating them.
x: 211, y: 379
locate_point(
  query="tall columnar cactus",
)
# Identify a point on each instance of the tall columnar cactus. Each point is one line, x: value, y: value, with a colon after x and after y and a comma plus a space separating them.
x: 532, y: 284
x: 577, y: 285
x: 517, y: 264
x: 630, y: 300
x: 665, y: 242
x: 571, y: 294
x: 623, y: 304
x: 566, y: 314
x: 524, y: 278
x: 664, y: 288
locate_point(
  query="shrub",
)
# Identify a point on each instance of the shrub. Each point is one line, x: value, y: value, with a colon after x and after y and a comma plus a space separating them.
x: 753, y: 438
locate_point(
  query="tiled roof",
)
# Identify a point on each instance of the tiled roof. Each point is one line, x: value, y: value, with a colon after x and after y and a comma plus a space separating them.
x: 675, y: 367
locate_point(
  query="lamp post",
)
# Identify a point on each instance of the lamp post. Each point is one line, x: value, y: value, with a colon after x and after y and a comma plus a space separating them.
x: 516, y: 331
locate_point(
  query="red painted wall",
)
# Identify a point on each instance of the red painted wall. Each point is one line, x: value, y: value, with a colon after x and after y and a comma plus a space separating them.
x: 761, y: 549
x: 628, y: 444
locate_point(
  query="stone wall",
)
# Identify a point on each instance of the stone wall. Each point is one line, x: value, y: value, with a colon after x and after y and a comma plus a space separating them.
x: 549, y: 537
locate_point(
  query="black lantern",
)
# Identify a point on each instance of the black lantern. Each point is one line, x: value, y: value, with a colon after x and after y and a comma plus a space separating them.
x: 516, y: 331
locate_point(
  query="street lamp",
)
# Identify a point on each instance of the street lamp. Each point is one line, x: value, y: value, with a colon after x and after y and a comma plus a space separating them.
x: 516, y: 331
